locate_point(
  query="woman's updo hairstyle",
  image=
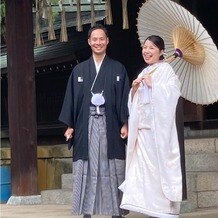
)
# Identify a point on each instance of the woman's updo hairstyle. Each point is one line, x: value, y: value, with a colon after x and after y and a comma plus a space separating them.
x: 158, y: 41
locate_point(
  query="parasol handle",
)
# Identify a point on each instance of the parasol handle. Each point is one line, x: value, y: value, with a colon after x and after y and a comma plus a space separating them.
x: 177, y: 53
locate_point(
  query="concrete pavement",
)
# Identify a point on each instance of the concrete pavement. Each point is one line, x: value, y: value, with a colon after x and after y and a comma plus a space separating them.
x: 64, y: 211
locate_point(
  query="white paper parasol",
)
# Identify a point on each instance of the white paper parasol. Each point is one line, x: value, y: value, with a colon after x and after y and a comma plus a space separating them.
x: 197, y: 61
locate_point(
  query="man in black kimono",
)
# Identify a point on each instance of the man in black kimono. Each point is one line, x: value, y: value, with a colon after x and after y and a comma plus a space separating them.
x: 95, y: 111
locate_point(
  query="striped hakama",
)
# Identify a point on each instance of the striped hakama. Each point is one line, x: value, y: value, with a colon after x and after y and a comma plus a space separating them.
x: 96, y: 181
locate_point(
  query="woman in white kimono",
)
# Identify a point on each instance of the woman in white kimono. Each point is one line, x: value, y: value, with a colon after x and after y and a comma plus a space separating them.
x: 153, y: 181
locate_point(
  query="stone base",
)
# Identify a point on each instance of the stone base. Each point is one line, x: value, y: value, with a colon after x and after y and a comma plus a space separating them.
x: 25, y: 200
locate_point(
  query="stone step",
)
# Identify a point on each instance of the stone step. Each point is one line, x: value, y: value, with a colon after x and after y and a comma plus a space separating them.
x: 57, y: 196
x: 201, y: 171
x: 64, y: 195
x: 66, y: 181
x: 64, y: 211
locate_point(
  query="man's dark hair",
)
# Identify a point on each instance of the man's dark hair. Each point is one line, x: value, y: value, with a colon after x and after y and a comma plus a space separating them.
x: 96, y: 27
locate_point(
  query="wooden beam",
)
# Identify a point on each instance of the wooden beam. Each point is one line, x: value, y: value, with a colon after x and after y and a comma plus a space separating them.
x: 21, y: 97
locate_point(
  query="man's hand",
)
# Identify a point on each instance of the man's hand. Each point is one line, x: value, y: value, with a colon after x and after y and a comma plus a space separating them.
x: 69, y: 133
x: 124, y: 131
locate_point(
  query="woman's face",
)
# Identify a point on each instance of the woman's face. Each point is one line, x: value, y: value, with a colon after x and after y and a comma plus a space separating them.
x: 151, y: 53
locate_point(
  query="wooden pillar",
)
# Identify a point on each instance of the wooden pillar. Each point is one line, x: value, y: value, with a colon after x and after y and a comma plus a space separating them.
x: 21, y: 97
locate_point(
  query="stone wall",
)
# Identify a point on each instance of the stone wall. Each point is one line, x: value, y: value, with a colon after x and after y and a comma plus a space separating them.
x: 52, y: 162
x: 202, y: 173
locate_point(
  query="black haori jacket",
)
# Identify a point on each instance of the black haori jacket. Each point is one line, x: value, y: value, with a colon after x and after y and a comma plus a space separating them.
x: 113, y: 80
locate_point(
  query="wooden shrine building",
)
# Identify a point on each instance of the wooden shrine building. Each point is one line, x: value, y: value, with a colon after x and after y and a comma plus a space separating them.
x: 44, y: 71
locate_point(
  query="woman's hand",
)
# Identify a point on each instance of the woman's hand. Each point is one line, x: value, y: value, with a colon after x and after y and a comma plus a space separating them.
x: 136, y: 83
x: 148, y: 81
x: 69, y: 133
x: 124, y: 131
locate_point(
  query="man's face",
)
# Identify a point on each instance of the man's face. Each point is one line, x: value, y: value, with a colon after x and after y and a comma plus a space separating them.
x: 98, y: 42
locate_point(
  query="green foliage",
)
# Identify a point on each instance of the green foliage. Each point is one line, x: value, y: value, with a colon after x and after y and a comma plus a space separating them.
x: 54, y: 13
x: 2, y: 18
x: 54, y: 1
x: 2, y: 10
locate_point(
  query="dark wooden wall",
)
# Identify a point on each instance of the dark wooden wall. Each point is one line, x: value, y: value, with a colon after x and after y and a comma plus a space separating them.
x: 125, y: 47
